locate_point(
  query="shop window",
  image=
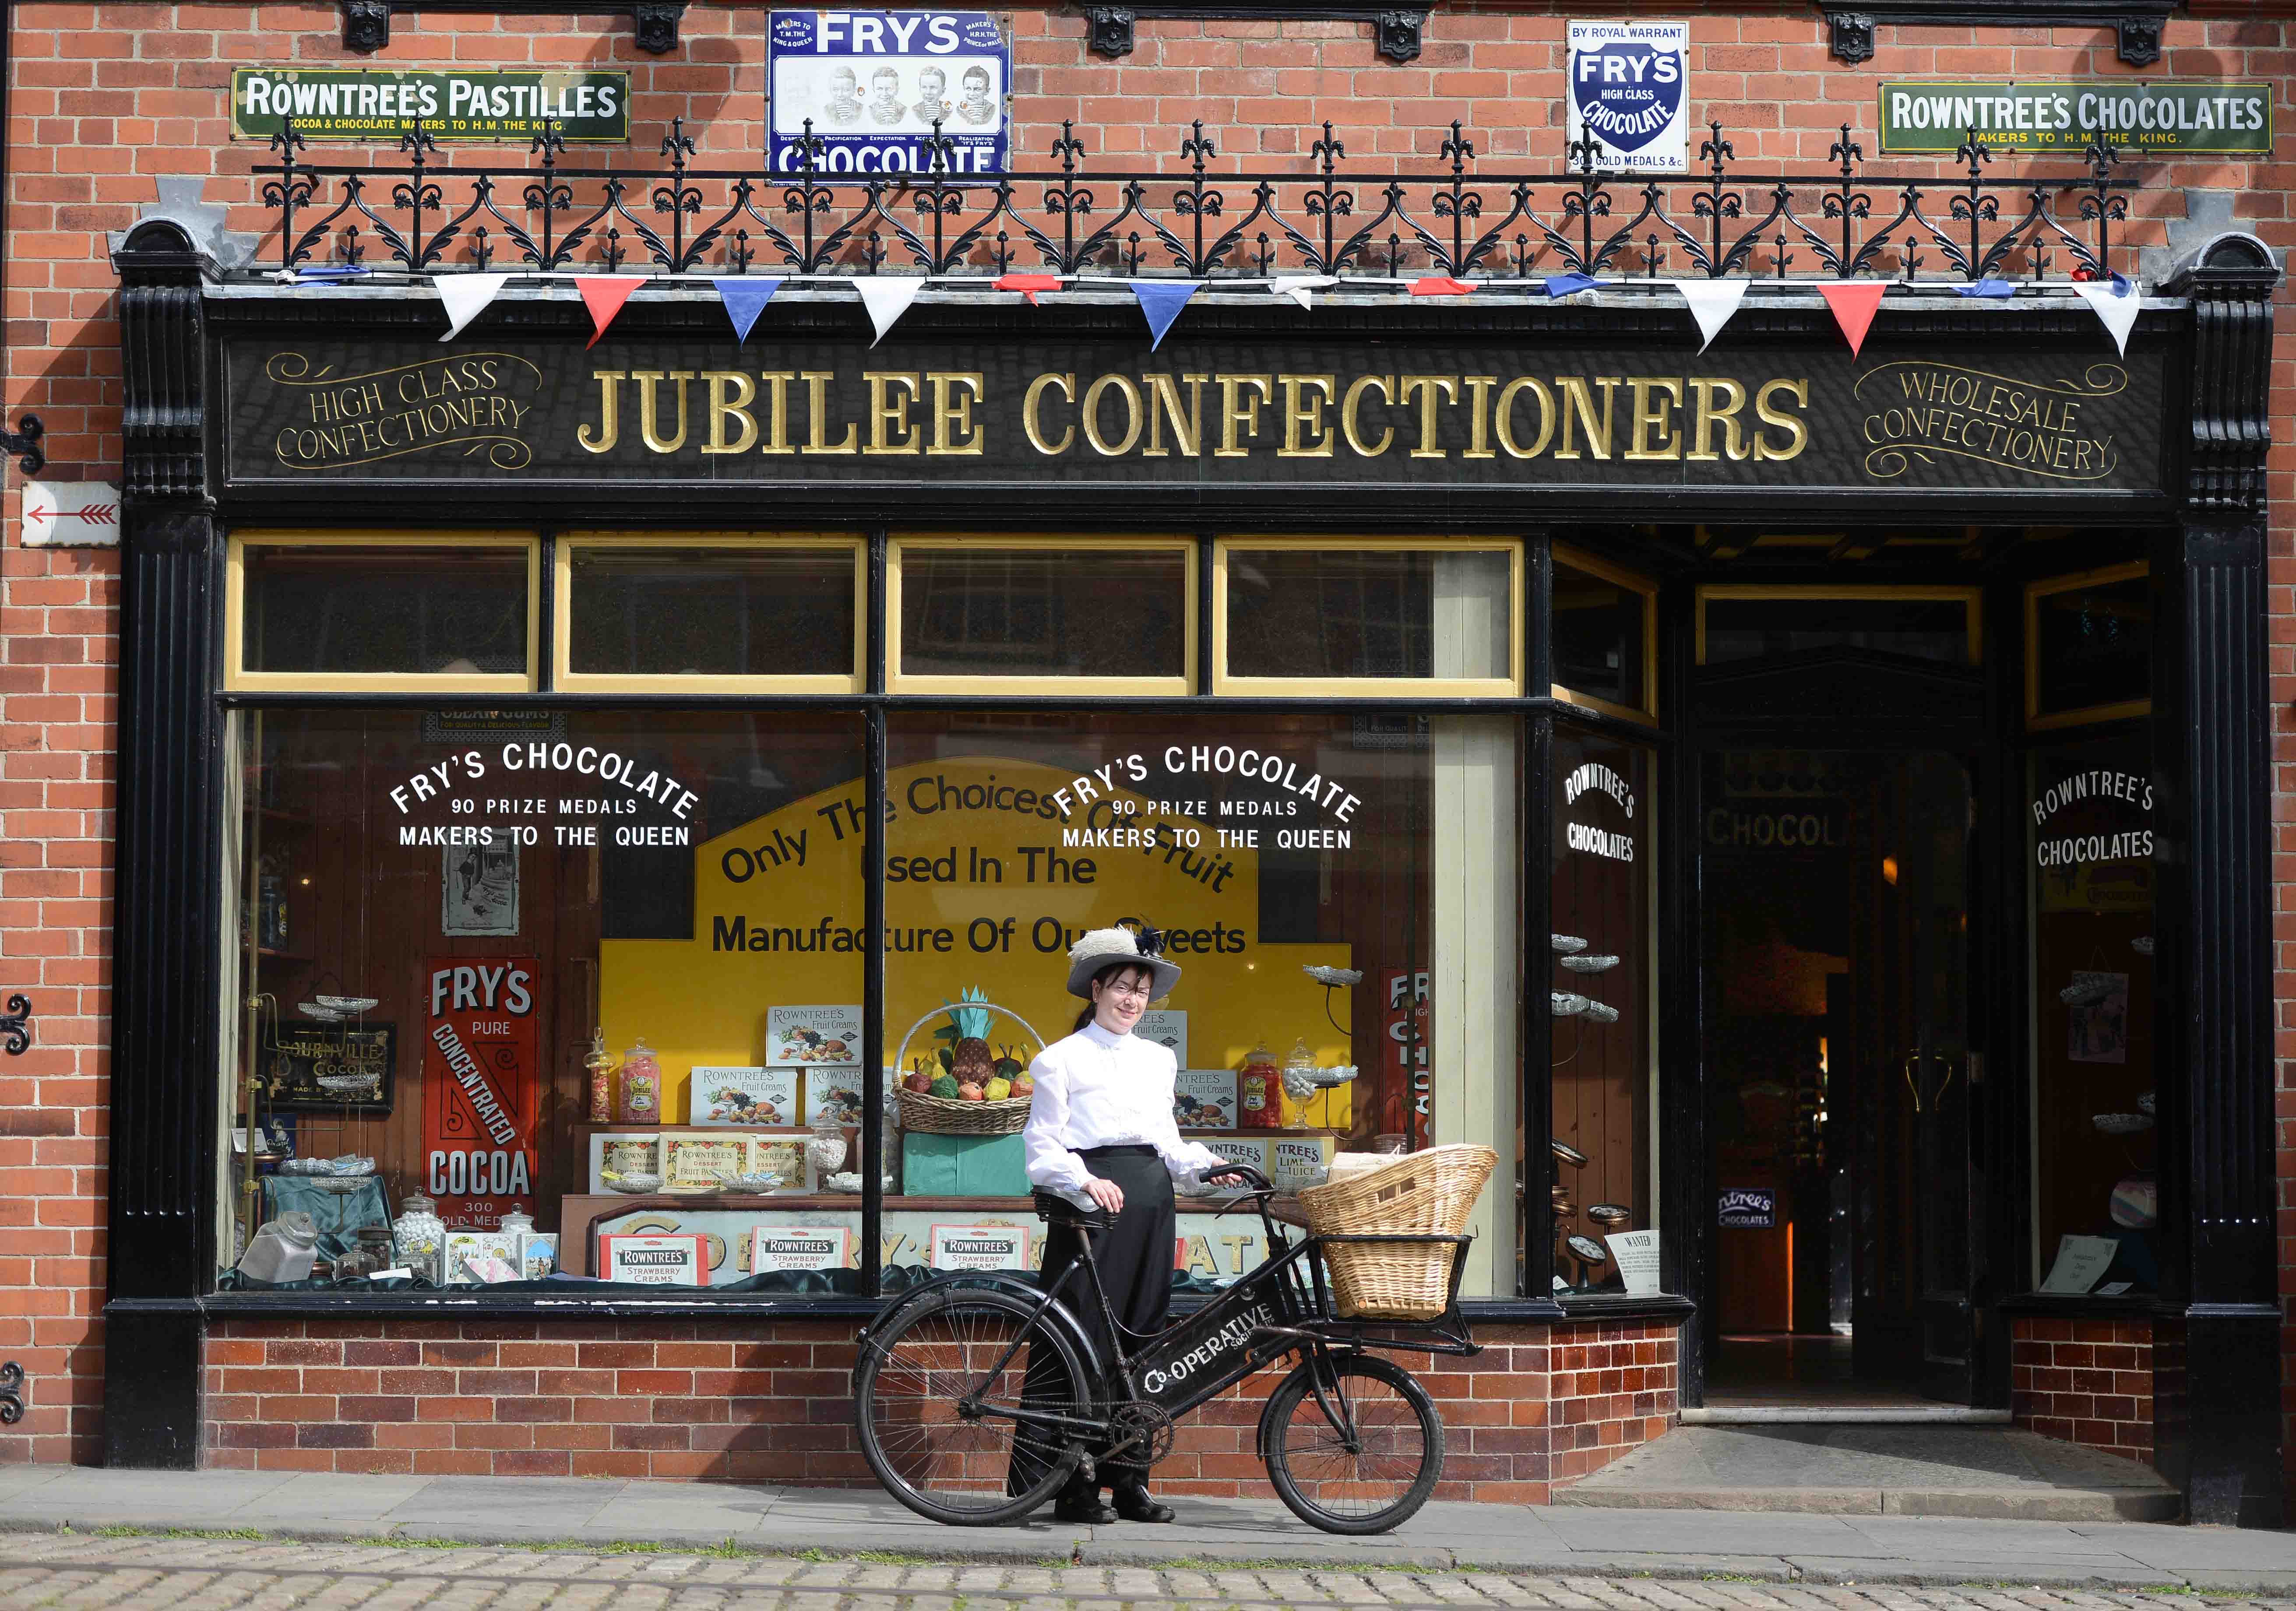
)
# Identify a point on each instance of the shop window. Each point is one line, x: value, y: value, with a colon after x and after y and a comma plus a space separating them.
x: 320, y: 613
x: 2095, y: 1158
x: 440, y: 912
x: 2088, y: 646
x: 1748, y: 622
x: 1595, y: 1187
x: 1604, y: 632
x: 1339, y: 891
x: 1120, y: 615
x: 778, y: 613
x: 1375, y: 618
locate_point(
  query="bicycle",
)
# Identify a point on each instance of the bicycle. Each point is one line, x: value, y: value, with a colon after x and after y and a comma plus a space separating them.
x: 1351, y: 1441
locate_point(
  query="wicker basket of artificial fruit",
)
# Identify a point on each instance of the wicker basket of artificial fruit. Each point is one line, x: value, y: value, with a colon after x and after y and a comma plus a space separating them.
x: 963, y: 1087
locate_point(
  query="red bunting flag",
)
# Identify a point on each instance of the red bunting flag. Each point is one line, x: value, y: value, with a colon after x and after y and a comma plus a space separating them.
x: 1028, y: 285
x: 603, y: 295
x: 1437, y: 285
x: 1853, y: 303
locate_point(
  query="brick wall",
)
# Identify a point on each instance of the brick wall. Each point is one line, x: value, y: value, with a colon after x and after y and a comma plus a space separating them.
x: 736, y: 1402
x: 2097, y: 1383
x: 106, y: 98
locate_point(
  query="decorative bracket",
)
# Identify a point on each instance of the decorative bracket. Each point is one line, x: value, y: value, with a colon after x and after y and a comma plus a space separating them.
x: 15, y: 1025
x: 1395, y: 30
x: 24, y: 442
x: 2136, y: 23
x: 11, y: 1391
x: 366, y: 23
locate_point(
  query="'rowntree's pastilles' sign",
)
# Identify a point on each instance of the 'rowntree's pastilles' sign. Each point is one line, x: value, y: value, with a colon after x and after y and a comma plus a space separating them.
x: 2126, y: 114
x: 378, y: 104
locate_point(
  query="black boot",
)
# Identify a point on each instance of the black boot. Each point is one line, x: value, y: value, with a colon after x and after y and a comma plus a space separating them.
x: 1135, y: 1503
x: 1079, y: 1502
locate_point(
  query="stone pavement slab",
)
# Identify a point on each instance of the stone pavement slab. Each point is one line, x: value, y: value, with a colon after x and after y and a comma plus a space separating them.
x: 710, y: 1524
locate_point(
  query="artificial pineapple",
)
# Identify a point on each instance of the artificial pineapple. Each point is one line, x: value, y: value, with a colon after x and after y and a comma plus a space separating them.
x: 969, y: 1058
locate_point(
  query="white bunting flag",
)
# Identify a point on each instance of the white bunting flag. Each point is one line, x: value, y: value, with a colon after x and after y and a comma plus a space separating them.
x: 888, y: 296
x: 2116, y: 305
x: 466, y: 297
x: 1301, y: 288
x: 1713, y: 303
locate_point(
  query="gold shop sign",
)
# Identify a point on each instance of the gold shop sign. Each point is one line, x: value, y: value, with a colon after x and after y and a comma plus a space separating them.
x: 1919, y: 412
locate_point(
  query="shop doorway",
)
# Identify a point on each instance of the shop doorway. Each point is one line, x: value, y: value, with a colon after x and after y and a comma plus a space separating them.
x: 1836, y: 891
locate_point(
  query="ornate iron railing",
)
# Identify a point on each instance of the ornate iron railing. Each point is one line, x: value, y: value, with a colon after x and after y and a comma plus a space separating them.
x: 1200, y: 222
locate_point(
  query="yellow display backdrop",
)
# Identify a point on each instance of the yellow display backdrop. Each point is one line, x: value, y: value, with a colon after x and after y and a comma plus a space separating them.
x: 994, y: 867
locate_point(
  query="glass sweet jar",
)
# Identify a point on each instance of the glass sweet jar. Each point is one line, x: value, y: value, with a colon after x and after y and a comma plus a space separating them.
x: 639, y: 1090
x: 418, y: 1236
x: 1259, y: 1091
x: 825, y: 1149
x: 599, y: 1065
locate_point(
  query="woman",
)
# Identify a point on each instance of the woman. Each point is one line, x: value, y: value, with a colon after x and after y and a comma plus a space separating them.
x: 1101, y: 1135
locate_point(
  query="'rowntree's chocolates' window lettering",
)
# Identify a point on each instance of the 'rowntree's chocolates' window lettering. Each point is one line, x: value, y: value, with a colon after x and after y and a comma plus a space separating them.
x: 711, y: 611
x: 420, y: 610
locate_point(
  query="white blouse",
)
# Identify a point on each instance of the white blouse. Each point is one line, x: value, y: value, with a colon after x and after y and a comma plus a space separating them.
x: 1095, y: 1089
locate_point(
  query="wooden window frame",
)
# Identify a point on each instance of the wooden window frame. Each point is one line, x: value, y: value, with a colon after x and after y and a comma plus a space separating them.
x: 566, y: 679
x: 237, y: 678
x: 897, y: 681
x: 2035, y: 592
x: 1579, y: 558
x: 1376, y: 688
x: 1972, y: 600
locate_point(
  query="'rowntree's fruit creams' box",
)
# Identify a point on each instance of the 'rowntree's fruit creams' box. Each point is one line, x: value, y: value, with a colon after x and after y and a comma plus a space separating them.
x: 1204, y: 1098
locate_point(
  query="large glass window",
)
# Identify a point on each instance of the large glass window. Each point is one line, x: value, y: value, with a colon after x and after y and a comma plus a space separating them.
x: 1603, y: 623
x: 2088, y: 646
x: 339, y: 614
x: 772, y: 612
x: 2096, y: 1190
x: 1598, y: 965
x: 1749, y: 622
x: 1117, y: 614
x: 442, y: 912
x: 1339, y: 891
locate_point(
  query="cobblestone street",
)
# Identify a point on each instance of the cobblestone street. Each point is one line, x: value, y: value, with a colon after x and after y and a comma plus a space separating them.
x: 144, y: 1573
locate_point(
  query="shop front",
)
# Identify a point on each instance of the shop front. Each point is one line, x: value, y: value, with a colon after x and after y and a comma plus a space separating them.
x: 1804, y: 809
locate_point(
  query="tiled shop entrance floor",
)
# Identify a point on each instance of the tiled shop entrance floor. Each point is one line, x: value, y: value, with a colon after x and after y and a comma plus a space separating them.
x: 1969, y: 1471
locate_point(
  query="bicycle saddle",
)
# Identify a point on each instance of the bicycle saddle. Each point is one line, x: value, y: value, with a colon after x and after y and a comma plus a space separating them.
x: 1056, y: 1210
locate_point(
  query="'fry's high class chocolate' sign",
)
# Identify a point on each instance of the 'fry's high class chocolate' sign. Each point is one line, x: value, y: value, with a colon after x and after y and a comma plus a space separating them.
x: 1199, y: 415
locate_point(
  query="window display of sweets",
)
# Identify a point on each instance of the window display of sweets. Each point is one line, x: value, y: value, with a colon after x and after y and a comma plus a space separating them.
x: 419, y: 1236
x: 1259, y: 1091
x: 282, y: 1250
x: 600, y: 1064
x: 720, y: 1094
x: 623, y: 1155
x: 640, y: 1087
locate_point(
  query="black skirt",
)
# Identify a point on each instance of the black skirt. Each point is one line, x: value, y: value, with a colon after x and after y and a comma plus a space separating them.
x: 1135, y: 1257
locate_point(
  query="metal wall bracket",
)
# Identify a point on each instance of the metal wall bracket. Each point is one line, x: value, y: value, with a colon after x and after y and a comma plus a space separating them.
x: 1395, y: 30
x: 24, y: 442
x: 15, y: 1025
x: 366, y: 23
x: 2136, y: 23
x: 12, y: 1394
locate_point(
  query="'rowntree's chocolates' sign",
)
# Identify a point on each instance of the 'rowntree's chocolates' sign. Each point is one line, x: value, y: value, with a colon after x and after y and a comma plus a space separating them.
x: 2130, y: 114
x: 378, y: 104
x: 1196, y: 415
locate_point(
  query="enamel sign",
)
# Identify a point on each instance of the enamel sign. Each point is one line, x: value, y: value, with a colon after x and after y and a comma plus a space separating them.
x: 874, y: 84
x: 1629, y: 94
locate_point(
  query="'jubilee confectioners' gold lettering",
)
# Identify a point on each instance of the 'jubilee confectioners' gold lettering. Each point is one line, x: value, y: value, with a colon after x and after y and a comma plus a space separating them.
x: 1688, y: 418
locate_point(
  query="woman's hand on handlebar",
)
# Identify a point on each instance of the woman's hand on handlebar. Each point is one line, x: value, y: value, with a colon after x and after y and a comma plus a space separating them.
x: 1243, y: 1176
x: 1108, y: 1194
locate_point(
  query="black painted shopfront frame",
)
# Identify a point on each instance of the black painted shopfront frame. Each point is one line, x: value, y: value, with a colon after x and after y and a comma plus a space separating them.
x: 2209, y: 722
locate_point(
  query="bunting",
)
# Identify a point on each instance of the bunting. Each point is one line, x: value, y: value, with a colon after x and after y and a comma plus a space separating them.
x: 2116, y: 304
x: 1558, y: 286
x: 1301, y: 288
x: 744, y: 300
x: 1713, y: 303
x: 1853, y: 302
x: 1986, y: 287
x: 1440, y: 285
x: 1160, y: 302
x: 1028, y: 285
x: 887, y: 297
x: 603, y: 295
x: 466, y: 297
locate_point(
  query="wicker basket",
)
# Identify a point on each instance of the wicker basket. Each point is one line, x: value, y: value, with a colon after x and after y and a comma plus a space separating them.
x: 938, y: 1114
x: 1428, y: 1193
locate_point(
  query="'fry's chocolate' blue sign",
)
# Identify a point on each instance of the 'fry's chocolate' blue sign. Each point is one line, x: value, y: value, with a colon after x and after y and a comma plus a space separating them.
x: 1630, y: 84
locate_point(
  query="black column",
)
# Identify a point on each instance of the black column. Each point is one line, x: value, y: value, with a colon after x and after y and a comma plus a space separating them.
x: 168, y: 909
x: 2213, y: 766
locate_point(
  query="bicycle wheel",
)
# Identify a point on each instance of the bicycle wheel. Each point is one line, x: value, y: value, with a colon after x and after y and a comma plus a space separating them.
x: 1372, y: 1467
x: 925, y: 1398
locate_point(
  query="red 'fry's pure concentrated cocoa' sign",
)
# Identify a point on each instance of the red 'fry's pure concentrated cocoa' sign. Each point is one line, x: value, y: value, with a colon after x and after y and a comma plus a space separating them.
x: 479, y: 1089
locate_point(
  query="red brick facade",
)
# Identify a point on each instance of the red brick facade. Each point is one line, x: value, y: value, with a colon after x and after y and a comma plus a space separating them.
x: 2099, y: 1382
x: 104, y: 98
x: 716, y: 1400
